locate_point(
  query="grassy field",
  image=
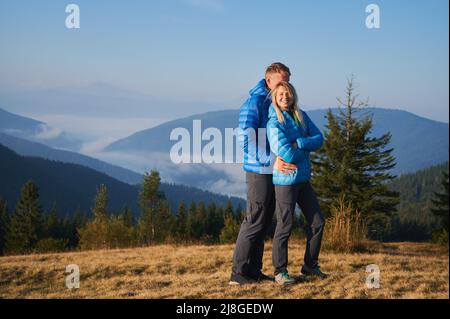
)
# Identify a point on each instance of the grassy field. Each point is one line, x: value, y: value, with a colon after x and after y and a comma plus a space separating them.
x: 408, y: 270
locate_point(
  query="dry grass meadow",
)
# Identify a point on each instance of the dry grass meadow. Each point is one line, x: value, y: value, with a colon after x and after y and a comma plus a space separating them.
x: 408, y: 270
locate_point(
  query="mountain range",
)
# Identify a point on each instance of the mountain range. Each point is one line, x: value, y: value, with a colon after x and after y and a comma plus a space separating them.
x: 71, y: 186
x: 38, y: 131
x: 418, y: 142
x: 33, y: 149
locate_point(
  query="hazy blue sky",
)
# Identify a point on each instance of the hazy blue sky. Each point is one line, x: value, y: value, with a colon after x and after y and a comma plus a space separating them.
x: 215, y: 50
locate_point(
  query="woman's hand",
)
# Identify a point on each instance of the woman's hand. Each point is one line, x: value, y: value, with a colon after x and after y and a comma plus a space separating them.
x: 283, y: 167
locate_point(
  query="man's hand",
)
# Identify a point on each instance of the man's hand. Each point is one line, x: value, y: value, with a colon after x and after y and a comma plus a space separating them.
x: 283, y: 167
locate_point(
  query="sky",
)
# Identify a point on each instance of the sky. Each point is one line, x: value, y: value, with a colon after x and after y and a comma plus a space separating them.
x: 216, y: 50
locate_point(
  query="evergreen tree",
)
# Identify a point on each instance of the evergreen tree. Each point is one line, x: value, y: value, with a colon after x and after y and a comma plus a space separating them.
x: 71, y: 228
x: 353, y: 164
x: 26, y: 221
x: 219, y: 222
x: 54, y: 237
x: 214, y: 223
x: 414, y: 219
x: 164, y: 223
x: 53, y: 228
x: 119, y: 234
x: 191, y: 220
x: 229, y: 208
x: 239, y: 214
x: 100, y: 208
x: 95, y: 233
x: 181, y: 225
x: 197, y: 221
x: 127, y: 217
x: 100, y: 212
x: 441, y: 203
x: 210, y: 219
x: 150, y: 201
x: 230, y: 212
x: 230, y: 230
x: 4, y: 225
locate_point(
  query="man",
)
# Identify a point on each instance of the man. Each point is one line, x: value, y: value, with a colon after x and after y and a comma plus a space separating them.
x: 253, y: 117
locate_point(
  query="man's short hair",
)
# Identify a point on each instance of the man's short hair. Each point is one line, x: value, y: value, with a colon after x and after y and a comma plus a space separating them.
x: 278, y: 67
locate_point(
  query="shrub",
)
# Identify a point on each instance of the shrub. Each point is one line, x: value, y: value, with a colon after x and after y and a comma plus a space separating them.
x: 51, y: 245
x: 230, y: 230
x: 344, y: 230
x: 107, y: 233
x: 440, y: 237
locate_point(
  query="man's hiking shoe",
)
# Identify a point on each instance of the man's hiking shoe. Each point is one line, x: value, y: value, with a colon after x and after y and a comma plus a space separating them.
x: 237, y: 280
x: 262, y: 277
x: 284, y: 279
x: 308, y: 271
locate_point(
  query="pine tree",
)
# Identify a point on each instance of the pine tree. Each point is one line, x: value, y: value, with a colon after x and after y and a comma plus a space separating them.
x: 239, y: 214
x: 4, y: 225
x: 71, y: 230
x: 191, y: 220
x: 100, y: 208
x: 353, y: 164
x: 441, y: 203
x: 210, y: 219
x: 26, y: 222
x: 54, y: 236
x: 197, y: 221
x: 219, y: 223
x: 229, y: 208
x: 230, y: 230
x: 95, y: 234
x: 100, y: 212
x: 127, y: 217
x: 214, y: 223
x: 52, y: 225
x: 119, y: 234
x: 150, y: 201
x: 181, y: 226
x: 164, y: 223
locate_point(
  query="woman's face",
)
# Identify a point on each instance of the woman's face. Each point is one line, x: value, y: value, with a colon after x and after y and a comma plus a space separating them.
x: 284, y: 98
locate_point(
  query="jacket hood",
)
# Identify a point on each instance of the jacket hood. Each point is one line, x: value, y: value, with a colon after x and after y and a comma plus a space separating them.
x: 273, y: 113
x: 260, y: 89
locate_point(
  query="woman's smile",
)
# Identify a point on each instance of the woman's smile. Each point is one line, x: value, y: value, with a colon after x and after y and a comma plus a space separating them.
x: 284, y: 99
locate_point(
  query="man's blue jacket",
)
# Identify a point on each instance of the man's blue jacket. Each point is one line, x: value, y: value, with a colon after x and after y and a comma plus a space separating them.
x: 252, y: 135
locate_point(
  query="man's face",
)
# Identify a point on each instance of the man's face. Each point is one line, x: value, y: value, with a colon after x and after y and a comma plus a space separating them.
x: 274, y: 78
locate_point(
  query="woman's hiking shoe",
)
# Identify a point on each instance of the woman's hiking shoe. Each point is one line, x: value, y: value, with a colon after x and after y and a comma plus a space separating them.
x: 284, y: 279
x: 308, y: 271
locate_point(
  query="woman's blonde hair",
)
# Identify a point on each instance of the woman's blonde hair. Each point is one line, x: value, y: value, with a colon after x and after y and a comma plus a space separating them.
x: 294, y: 108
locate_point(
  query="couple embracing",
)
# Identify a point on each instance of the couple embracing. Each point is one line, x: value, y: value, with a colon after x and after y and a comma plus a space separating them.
x: 276, y: 185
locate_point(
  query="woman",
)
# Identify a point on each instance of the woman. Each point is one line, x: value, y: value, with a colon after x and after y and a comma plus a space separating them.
x: 292, y: 136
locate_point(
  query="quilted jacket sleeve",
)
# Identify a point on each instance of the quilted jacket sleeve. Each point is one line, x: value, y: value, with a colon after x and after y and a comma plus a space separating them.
x: 248, y: 127
x: 314, y: 140
x: 280, y: 145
